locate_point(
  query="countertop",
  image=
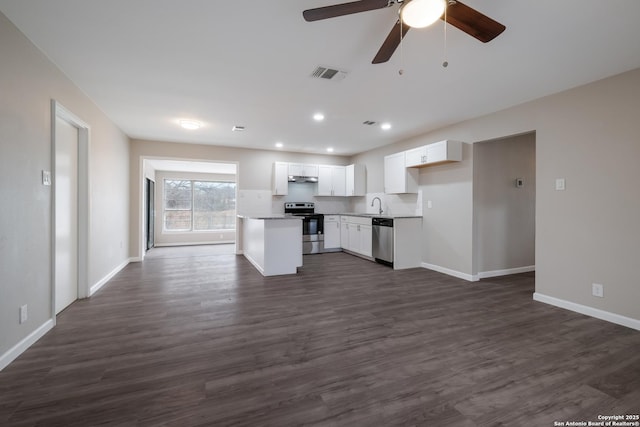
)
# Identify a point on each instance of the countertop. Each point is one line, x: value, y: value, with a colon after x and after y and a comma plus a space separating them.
x: 363, y: 215
x: 270, y: 216
x: 370, y: 215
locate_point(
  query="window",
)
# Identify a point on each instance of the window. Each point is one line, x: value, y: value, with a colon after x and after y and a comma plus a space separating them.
x: 191, y: 205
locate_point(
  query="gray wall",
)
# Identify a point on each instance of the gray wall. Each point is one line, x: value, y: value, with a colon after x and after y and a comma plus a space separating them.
x: 504, y: 215
x: 28, y: 83
x: 589, y: 135
x: 448, y: 225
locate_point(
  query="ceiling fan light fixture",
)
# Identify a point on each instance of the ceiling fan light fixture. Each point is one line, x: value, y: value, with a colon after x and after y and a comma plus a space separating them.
x: 422, y: 13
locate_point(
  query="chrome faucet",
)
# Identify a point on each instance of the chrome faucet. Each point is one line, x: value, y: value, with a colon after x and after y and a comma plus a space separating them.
x: 380, y: 208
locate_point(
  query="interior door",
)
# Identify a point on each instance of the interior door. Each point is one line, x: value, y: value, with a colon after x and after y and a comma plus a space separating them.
x: 66, y: 214
x: 150, y: 212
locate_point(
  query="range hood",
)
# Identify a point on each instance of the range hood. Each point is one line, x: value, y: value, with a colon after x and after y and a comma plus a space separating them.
x: 303, y: 178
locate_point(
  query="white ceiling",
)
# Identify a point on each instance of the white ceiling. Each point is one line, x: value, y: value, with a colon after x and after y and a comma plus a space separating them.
x: 148, y: 63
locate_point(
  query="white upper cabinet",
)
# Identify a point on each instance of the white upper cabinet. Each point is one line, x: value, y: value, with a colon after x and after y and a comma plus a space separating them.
x: 299, y: 169
x: 438, y: 152
x: 331, y: 180
x: 356, y: 180
x: 416, y: 157
x: 280, y: 179
x: 398, y: 178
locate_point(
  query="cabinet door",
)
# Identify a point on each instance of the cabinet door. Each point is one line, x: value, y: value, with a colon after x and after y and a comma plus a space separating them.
x: 344, y: 234
x: 398, y: 178
x: 366, y: 240
x: 437, y: 152
x: 296, y: 169
x: 310, y: 170
x: 325, y: 184
x: 415, y: 157
x: 355, y: 180
x: 331, y: 181
x: 354, y: 237
x: 331, y: 234
x: 394, y: 173
x: 280, y: 179
x: 338, y: 180
x: 349, y: 180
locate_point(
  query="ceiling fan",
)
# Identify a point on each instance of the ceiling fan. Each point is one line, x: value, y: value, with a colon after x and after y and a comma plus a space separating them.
x: 457, y: 14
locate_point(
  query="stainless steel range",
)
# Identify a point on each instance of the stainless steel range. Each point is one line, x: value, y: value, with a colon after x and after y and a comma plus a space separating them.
x: 312, y: 226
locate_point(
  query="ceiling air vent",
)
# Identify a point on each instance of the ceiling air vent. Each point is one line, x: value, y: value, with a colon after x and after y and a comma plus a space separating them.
x: 368, y: 122
x: 328, y: 73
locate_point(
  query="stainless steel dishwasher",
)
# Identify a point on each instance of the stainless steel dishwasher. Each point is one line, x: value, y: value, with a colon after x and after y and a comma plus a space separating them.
x: 383, y: 240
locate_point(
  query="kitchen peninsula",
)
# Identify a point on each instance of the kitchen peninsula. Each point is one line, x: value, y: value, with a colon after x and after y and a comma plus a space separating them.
x: 273, y: 244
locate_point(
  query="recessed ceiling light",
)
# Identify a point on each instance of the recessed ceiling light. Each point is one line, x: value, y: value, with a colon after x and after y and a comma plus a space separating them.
x: 385, y: 126
x: 318, y: 117
x: 330, y: 149
x: 190, y: 124
x: 279, y: 144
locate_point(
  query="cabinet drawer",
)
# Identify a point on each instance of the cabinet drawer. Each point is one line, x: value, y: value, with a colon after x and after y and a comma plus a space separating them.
x: 362, y: 220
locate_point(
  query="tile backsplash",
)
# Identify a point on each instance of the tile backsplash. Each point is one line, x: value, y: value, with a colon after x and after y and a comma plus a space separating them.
x: 261, y: 202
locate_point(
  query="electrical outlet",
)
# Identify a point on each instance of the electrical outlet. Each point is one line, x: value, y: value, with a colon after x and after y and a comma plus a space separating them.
x: 24, y: 314
x: 597, y: 290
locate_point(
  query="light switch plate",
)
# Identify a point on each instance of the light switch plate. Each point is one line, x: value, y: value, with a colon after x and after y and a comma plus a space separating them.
x: 560, y: 184
x: 46, y: 177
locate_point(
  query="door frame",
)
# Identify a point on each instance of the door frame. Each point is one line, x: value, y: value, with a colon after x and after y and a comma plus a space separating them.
x: 150, y: 213
x: 58, y: 111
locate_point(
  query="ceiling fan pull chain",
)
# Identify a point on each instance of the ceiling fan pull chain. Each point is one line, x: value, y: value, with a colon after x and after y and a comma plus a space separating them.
x: 445, y: 64
x: 401, y: 70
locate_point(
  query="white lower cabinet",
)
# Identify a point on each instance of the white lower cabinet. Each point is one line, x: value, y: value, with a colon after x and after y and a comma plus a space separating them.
x: 356, y: 235
x: 332, y: 240
x: 366, y: 240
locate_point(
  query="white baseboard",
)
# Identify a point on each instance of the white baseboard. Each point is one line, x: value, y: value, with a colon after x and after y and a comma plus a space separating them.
x: 213, y: 242
x: 589, y: 311
x: 254, y: 263
x: 506, y: 272
x: 23, y: 345
x: 454, y: 273
x: 95, y: 288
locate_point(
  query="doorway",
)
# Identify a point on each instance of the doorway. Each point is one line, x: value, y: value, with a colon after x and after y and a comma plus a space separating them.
x: 70, y: 137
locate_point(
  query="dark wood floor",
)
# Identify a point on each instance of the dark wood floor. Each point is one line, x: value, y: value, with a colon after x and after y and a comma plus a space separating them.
x: 193, y: 339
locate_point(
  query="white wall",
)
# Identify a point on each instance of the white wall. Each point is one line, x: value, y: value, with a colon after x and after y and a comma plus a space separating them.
x: 588, y: 233
x: 28, y: 83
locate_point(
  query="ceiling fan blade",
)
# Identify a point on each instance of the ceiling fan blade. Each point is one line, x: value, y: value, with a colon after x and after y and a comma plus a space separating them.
x: 473, y: 22
x: 391, y: 42
x: 343, y: 9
